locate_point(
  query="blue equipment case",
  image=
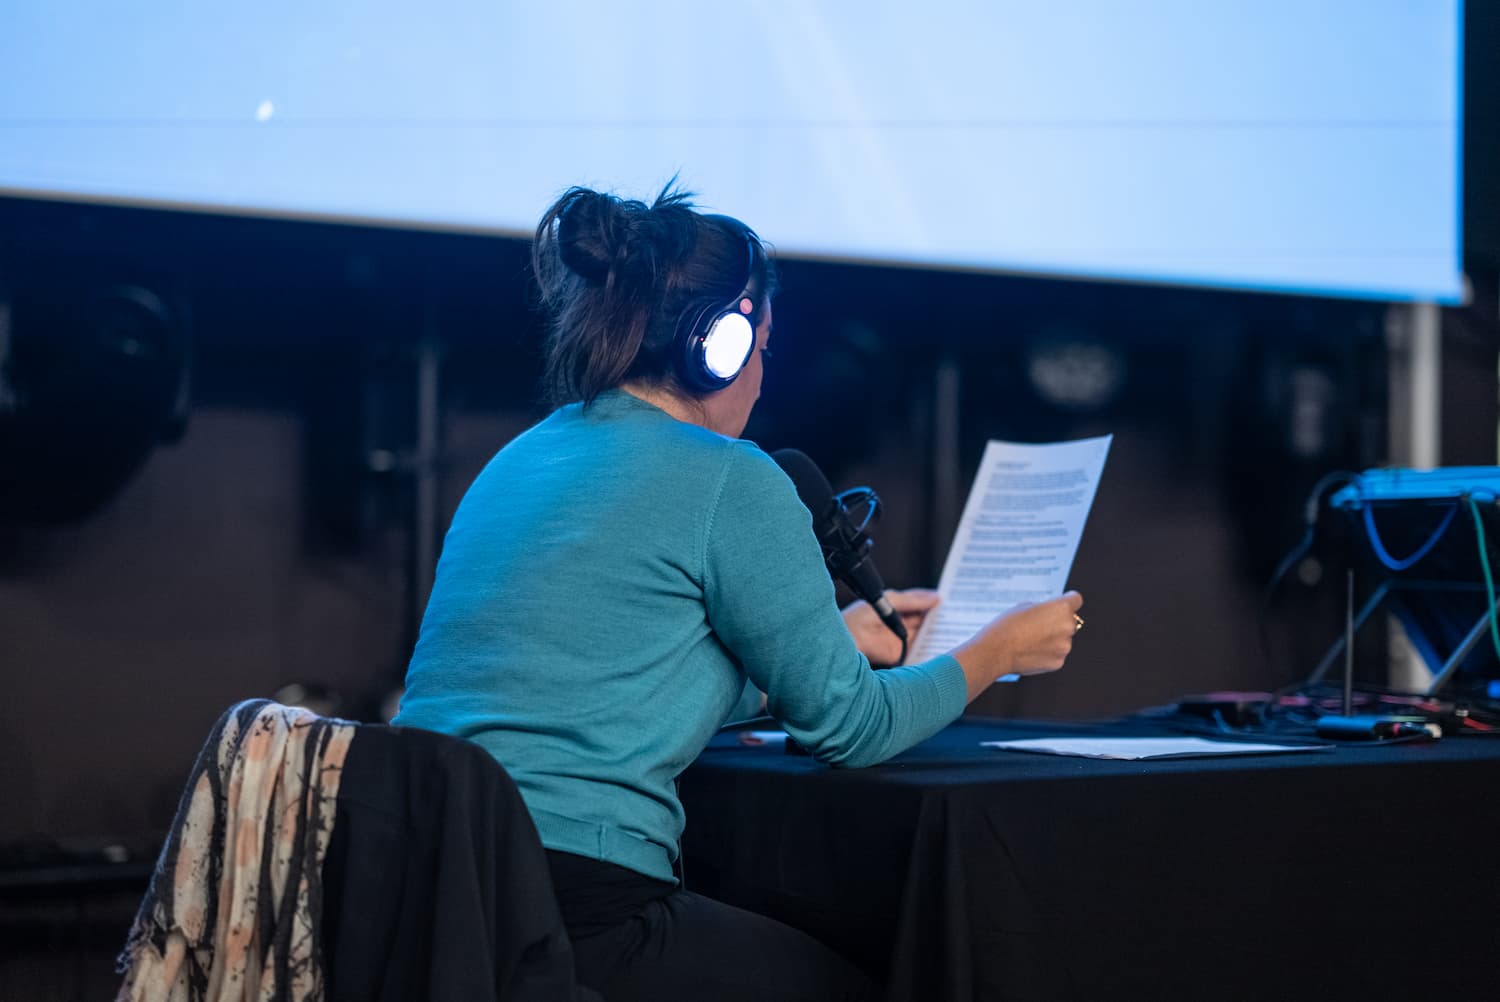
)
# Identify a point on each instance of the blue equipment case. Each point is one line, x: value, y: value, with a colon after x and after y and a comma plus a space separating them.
x: 1438, y: 603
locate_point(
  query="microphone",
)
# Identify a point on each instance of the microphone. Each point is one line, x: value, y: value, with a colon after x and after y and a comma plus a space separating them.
x: 846, y: 546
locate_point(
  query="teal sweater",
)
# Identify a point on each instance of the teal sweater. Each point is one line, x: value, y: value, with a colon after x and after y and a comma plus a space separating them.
x: 610, y: 583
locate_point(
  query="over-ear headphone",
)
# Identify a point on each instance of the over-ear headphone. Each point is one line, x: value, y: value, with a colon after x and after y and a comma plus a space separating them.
x: 715, y: 340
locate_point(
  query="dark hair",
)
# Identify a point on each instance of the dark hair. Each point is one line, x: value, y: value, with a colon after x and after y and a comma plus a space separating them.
x: 617, y: 277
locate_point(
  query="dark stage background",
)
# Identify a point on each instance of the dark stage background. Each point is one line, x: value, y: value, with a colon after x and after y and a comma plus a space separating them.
x: 276, y: 540
x: 266, y: 526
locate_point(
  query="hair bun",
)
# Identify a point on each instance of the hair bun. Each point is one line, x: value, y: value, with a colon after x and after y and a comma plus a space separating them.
x: 602, y: 237
x: 584, y: 239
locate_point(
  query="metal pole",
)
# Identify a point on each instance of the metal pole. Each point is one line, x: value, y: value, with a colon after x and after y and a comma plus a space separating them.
x: 1426, y: 389
x: 947, y: 386
x: 1414, y: 370
x: 425, y: 475
x: 1414, y: 340
x: 1349, y: 642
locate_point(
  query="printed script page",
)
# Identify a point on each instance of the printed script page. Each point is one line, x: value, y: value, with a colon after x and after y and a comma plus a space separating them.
x: 1144, y: 748
x: 1017, y: 537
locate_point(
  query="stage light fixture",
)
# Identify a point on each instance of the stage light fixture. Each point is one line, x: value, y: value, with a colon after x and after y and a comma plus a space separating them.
x: 92, y: 377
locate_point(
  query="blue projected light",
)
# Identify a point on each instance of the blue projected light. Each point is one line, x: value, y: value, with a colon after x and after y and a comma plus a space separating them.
x: 1275, y: 144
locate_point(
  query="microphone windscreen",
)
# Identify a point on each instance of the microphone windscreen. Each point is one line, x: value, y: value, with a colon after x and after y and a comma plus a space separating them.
x: 812, y: 486
x: 846, y: 550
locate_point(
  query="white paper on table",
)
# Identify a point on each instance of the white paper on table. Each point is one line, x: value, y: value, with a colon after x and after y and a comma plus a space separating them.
x: 1139, y: 748
x: 1017, y: 537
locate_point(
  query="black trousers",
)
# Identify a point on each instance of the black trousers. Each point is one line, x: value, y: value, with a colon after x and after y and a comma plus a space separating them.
x: 638, y: 938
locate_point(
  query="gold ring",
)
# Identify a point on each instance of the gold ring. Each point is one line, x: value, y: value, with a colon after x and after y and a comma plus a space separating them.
x: 1077, y: 622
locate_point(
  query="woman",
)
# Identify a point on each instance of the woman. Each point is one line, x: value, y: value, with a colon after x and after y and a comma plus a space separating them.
x: 628, y: 575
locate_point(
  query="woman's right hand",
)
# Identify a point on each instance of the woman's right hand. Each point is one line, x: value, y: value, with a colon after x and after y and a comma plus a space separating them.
x: 1025, y: 640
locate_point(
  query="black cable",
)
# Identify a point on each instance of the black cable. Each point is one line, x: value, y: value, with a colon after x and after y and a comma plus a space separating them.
x: 1310, y: 511
x: 1264, y: 615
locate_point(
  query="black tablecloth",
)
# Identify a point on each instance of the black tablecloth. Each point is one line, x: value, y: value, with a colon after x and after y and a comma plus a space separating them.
x: 958, y: 872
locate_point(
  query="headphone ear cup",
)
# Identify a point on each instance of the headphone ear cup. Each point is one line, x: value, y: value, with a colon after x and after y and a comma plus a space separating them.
x: 728, y: 346
x: 716, y: 349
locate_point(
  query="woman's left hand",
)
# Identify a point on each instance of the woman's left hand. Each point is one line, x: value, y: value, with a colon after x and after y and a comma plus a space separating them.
x: 873, y: 638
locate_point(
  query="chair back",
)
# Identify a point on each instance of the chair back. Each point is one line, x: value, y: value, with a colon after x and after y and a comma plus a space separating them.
x: 314, y: 858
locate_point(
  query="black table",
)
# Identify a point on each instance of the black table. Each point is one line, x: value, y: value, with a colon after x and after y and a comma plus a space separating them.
x: 957, y: 872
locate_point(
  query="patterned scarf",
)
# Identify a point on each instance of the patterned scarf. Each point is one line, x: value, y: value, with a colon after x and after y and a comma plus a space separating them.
x: 235, y: 905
